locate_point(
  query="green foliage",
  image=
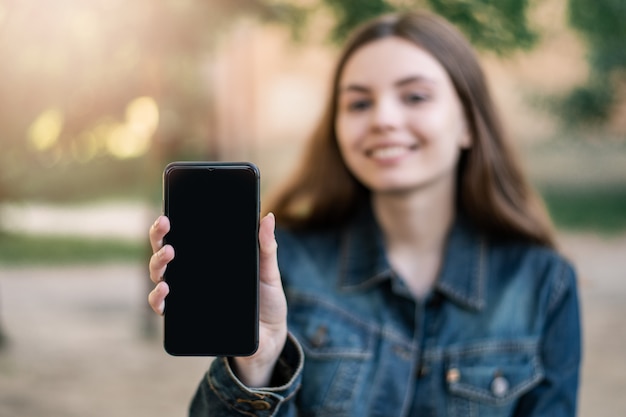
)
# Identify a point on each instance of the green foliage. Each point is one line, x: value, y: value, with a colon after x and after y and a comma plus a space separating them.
x: 18, y: 249
x: 589, y: 103
x: 497, y: 25
x: 601, y: 23
x: 351, y: 13
x: 599, y: 209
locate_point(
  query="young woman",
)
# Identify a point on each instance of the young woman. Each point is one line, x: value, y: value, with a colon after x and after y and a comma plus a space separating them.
x: 417, y: 263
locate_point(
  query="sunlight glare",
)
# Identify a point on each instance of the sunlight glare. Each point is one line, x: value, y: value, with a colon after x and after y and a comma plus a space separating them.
x: 132, y: 138
x: 44, y: 132
x: 142, y: 115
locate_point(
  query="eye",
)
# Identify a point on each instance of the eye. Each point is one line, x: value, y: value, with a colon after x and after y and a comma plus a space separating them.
x: 359, y: 105
x: 414, y: 98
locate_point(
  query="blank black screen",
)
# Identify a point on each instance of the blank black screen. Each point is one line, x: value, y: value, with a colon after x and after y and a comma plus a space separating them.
x: 212, y: 307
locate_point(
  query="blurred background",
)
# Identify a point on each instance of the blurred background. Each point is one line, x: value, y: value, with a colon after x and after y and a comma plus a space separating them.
x: 96, y: 96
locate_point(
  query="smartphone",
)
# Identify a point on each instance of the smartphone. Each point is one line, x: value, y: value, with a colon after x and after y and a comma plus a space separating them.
x: 213, y: 305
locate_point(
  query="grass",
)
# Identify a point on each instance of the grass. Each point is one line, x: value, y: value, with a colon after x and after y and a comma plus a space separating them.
x: 598, y: 209
x: 16, y: 249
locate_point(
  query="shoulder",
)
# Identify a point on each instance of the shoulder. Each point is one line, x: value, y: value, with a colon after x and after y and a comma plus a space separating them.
x: 543, y: 269
x: 537, y: 257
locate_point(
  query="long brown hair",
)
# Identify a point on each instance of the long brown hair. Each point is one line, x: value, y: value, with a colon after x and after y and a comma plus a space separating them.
x: 492, y: 190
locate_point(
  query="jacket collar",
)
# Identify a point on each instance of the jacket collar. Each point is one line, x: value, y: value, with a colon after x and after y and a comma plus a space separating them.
x: 462, y: 278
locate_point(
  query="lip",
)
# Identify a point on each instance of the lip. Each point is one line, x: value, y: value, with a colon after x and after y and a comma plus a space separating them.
x: 390, y: 152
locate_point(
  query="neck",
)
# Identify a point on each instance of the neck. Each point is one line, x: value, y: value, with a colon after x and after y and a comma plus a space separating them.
x: 419, y: 221
x: 415, y: 226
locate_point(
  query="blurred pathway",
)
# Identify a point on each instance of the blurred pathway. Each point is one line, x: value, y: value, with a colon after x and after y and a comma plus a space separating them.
x: 115, y: 219
x: 77, y: 346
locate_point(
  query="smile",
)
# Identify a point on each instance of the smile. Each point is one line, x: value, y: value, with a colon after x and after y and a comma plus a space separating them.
x: 390, y: 152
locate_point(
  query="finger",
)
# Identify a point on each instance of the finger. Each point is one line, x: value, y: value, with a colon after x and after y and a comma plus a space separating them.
x: 268, y: 247
x: 157, y: 231
x: 156, y: 298
x: 158, y: 262
x: 273, y: 307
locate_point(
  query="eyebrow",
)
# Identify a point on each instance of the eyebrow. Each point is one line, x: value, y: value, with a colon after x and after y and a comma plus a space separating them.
x: 400, y: 83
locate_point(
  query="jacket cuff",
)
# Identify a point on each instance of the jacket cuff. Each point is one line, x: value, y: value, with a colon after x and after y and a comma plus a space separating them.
x: 259, y: 401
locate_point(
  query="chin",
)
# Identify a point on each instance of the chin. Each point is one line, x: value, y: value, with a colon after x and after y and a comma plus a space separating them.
x: 392, y: 188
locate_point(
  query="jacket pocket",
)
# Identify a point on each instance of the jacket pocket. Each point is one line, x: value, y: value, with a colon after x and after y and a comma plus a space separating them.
x: 487, y: 379
x: 338, y: 347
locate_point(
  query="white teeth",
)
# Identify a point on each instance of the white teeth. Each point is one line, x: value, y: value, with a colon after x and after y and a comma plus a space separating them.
x: 388, y: 152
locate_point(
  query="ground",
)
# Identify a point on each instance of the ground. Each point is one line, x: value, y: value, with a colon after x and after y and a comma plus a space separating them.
x: 78, y: 341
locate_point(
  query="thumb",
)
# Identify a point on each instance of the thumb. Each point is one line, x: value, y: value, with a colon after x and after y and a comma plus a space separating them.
x: 268, y: 248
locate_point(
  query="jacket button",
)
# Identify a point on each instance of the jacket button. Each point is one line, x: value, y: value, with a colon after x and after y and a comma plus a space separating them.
x: 499, y: 386
x: 453, y: 375
x: 320, y: 337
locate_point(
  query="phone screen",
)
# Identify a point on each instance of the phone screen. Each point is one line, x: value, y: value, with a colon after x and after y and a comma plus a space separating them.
x: 212, y: 307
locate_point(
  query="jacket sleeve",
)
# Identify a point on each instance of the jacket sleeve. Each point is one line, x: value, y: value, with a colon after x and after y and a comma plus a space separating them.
x: 561, y: 353
x: 221, y: 393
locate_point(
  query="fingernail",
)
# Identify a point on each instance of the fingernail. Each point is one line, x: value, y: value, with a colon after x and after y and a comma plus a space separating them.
x: 274, y: 220
x: 160, y: 252
x: 156, y: 223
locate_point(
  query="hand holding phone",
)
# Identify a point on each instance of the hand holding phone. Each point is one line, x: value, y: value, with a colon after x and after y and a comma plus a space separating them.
x: 254, y: 370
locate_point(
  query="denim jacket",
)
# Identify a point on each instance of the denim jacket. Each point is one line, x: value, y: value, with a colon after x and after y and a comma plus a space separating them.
x: 498, y: 335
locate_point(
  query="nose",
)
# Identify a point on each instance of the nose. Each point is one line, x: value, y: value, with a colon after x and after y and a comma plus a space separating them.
x: 387, y: 114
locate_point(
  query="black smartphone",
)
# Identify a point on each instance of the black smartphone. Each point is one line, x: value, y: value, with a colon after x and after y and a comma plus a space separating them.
x: 212, y: 307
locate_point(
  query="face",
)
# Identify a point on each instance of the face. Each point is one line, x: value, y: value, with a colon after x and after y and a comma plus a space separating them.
x: 400, y: 124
